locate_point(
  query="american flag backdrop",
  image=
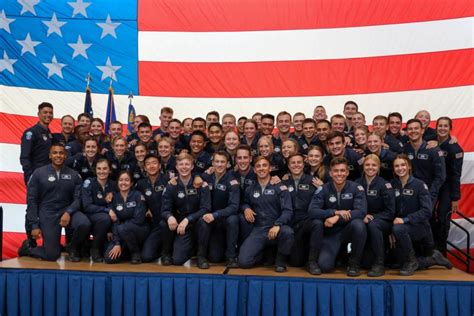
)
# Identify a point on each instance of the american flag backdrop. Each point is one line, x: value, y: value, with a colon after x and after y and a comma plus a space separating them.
x: 237, y: 56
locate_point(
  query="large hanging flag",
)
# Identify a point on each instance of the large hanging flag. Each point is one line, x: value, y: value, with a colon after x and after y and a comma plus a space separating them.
x: 247, y: 56
x: 110, y: 113
x: 88, y: 102
x: 131, y: 114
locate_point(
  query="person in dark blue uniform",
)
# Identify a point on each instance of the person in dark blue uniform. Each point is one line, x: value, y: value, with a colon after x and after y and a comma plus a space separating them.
x: 429, y: 134
x: 219, y: 229
x: 84, y: 162
x: 428, y: 163
x: 251, y: 136
x: 342, y: 206
x: 265, y: 149
x: 337, y: 149
x: 53, y: 199
x: 96, y: 194
x: 231, y: 143
x: 129, y: 229
x: 315, y: 165
x: 386, y: 157
x: 75, y: 146
x: 182, y: 206
x: 166, y: 157
x: 202, y: 159
x: 450, y: 192
x: 413, y: 213
x: 35, y: 143
x: 380, y: 213
x: 309, y: 136
x: 308, y: 232
x: 269, y: 208
x: 380, y: 126
x: 120, y: 158
x: 140, y: 151
x: 216, y: 140
x: 283, y: 125
x: 152, y: 188
x: 67, y: 130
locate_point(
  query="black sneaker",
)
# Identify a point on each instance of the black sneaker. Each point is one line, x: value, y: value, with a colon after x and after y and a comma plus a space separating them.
x: 202, y: 263
x: 232, y: 263
x: 96, y: 256
x: 25, y: 249
x: 280, y: 263
x: 136, y: 258
x: 440, y: 260
x: 74, y: 256
x: 377, y: 270
x: 313, y: 268
x: 166, y: 260
x: 353, y: 270
x: 409, y: 266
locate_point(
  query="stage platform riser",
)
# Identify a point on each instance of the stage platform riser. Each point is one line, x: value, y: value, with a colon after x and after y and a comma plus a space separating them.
x: 44, y: 292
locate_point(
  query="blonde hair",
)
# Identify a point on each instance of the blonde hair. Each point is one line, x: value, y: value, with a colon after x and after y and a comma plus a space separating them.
x: 374, y: 158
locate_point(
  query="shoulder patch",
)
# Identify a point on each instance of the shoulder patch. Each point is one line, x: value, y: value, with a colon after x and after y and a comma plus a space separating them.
x: 28, y: 135
x: 360, y: 161
x: 440, y: 153
x: 361, y: 188
x: 459, y: 155
x: 234, y: 182
x: 283, y: 188
x: 319, y: 189
x: 86, y: 183
x: 425, y: 186
x: 388, y: 185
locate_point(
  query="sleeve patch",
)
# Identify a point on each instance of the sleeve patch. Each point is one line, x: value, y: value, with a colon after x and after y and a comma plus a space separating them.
x: 28, y: 135
x: 360, y: 161
x: 283, y: 188
x: 440, y: 153
x: 459, y: 155
x: 388, y: 185
x: 86, y: 183
x: 425, y: 186
x: 234, y: 182
x: 361, y: 188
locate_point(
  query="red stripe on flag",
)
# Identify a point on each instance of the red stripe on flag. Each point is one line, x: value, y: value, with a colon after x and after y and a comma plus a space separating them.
x: 467, y: 200
x: 248, y: 15
x: 12, y: 188
x: 308, y: 78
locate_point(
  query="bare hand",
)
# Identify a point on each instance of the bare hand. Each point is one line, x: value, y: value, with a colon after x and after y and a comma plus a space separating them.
x: 149, y: 214
x: 275, y: 180
x: 172, y: 223
x: 208, y: 218
x: 346, y: 215
x: 273, y: 232
x: 348, y: 141
x: 115, y: 252
x: 453, y: 140
x: 386, y: 146
x: 398, y: 221
x: 249, y: 215
x: 36, y: 233
x: 359, y: 150
x: 132, y: 142
x: 109, y: 197
x: 331, y: 221
x: 368, y: 218
x: 198, y: 181
x: 182, y: 226
x: 285, y: 177
x: 317, y: 182
x: 454, y: 207
x: 210, y: 170
x: 173, y: 181
x: 65, y: 219
x: 431, y: 144
x: 113, y: 216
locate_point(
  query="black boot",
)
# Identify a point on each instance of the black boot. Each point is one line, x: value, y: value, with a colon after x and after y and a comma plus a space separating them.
x: 313, y: 268
x: 377, y: 269
x: 96, y: 255
x: 136, y: 258
x: 202, y: 263
x: 353, y: 268
x: 280, y: 263
x: 166, y: 260
x: 25, y: 248
x: 232, y: 263
x: 440, y: 260
x: 410, y: 265
x: 74, y: 255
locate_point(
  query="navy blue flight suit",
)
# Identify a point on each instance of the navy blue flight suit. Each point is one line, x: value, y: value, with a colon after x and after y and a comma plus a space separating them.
x: 386, y: 163
x: 381, y: 204
x: 202, y: 162
x: 395, y: 145
x: 449, y: 192
x: 414, y: 205
x: 49, y: 195
x: 326, y: 178
x: 272, y: 204
x: 152, y: 148
x: 209, y: 148
x: 430, y: 134
x: 80, y: 163
x: 355, y: 161
x: 220, y: 237
x: 160, y: 132
x: 276, y: 144
x: 253, y: 145
x: 60, y: 138
x: 130, y: 230
x: 96, y: 209
x: 137, y: 172
x: 183, y: 201
x: 278, y: 163
x: 428, y: 166
x: 304, y: 144
x: 324, y: 204
x: 35, y: 144
x: 168, y: 168
x: 153, y: 196
x: 308, y: 232
x: 126, y: 163
x: 181, y: 144
x: 245, y: 181
x: 73, y: 147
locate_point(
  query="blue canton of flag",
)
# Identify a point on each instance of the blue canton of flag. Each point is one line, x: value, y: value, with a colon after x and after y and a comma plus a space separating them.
x: 110, y: 114
x: 66, y: 41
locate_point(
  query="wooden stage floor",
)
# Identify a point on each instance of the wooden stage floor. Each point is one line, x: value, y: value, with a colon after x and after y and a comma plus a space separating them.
x: 432, y: 274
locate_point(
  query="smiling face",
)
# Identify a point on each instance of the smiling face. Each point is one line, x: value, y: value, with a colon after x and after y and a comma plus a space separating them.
x: 145, y: 134
x: 152, y: 166
x: 57, y: 155
x: 360, y: 137
x: 394, y: 125
x: 401, y: 167
x: 309, y: 130
x: 424, y: 117
x: 298, y: 123
x: 215, y: 134
x: 124, y: 182
x: 414, y: 131
x: 67, y: 125
x: 339, y: 173
x: 323, y: 129
x: 184, y: 167
x: 265, y: 147
x: 196, y: 144
x: 443, y: 128
x: 228, y: 123
x: 219, y: 162
x: 357, y: 120
x: 174, y: 130
x: 140, y: 152
x: 96, y: 128
x: 250, y: 130
x: 296, y: 165
x: 119, y: 147
x: 371, y: 168
x: 45, y: 115
x: 315, y: 158
x: 319, y: 113
x: 262, y: 169
x: 267, y: 126
x: 165, y: 118
x: 164, y: 149
x: 243, y: 159
x: 102, y: 170
x: 374, y: 144
x: 284, y: 123
x: 231, y: 140
x: 338, y: 124
x: 288, y: 148
x: 336, y: 146
x: 90, y: 148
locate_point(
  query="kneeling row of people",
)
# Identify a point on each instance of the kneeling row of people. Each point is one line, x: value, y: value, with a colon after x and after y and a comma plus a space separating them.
x: 308, y: 222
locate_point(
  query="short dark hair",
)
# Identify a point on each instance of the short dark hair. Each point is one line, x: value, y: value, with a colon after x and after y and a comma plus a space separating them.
x: 215, y: 113
x: 414, y: 120
x: 175, y: 120
x: 44, y: 105
x: 295, y: 155
x: 244, y: 147
x: 148, y: 156
x: 309, y: 120
x: 395, y: 114
x: 221, y: 153
x: 450, y: 121
x: 199, y: 119
x: 85, y: 114
x: 144, y: 125
x: 143, y: 117
x: 335, y: 134
x: 67, y: 116
x: 323, y: 121
x: 268, y: 116
x: 351, y: 102
x: 338, y: 161
x: 198, y: 133
x: 215, y: 125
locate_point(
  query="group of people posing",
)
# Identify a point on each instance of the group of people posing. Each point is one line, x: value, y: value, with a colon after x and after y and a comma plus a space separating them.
x: 243, y: 193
